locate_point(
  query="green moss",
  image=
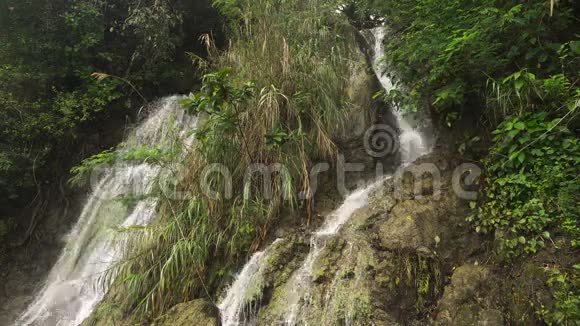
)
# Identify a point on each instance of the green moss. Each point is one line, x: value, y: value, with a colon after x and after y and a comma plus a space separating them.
x: 276, y: 308
x: 351, y: 290
x: 106, y: 314
x: 198, y: 312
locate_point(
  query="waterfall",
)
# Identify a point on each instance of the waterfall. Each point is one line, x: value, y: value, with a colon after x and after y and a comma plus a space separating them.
x: 412, y: 143
x: 72, y: 289
x: 412, y: 146
x: 234, y: 307
x: 299, y: 286
x: 300, y: 282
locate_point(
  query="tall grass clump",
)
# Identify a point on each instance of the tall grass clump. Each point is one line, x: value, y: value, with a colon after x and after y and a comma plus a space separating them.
x: 277, y: 94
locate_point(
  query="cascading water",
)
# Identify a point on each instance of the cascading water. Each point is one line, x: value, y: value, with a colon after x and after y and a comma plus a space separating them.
x: 233, y: 309
x: 412, y: 143
x: 412, y: 146
x: 298, y: 287
x: 300, y: 282
x: 71, y: 291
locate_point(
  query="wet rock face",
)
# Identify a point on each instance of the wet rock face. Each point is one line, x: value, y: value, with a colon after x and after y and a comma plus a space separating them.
x: 410, y: 225
x: 197, y: 312
x: 23, y: 269
x: 470, y: 298
x: 409, y: 258
x: 385, y: 266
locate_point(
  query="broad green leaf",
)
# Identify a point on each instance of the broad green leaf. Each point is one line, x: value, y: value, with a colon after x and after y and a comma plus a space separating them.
x: 575, y: 47
x: 513, y: 156
x: 520, y: 126
x: 512, y: 133
x: 546, y: 234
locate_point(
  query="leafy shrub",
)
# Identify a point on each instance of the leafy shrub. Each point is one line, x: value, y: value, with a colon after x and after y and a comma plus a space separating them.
x: 82, y: 172
x: 220, y: 99
x: 444, y: 51
x: 565, y: 288
x: 49, y: 51
x: 531, y: 175
x: 135, y: 154
x: 144, y: 153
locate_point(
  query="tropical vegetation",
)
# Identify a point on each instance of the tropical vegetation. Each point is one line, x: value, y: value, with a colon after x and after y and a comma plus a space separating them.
x: 503, y: 74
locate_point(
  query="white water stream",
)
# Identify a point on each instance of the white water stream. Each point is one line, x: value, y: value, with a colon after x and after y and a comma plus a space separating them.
x: 72, y: 288
x: 298, y: 287
x: 411, y: 143
x: 233, y: 308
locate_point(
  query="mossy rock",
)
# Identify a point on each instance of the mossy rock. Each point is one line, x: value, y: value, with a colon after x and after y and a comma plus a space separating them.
x: 527, y: 293
x: 106, y: 314
x: 471, y: 298
x: 411, y: 224
x: 198, y: 312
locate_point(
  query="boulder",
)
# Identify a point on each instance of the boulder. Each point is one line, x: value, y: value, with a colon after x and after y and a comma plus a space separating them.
x: 470, y: 298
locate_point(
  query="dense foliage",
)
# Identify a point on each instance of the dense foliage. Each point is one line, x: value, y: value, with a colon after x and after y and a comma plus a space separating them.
x: 531, y: 184
x: 280, y: 93
x: 50, y: 98
x: 445, y: 51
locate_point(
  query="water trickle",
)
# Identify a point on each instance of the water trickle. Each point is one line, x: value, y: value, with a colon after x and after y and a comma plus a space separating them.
x: 412, y: 143
x: 300, y: 283
x: 235, y: 309
x: 72, y: 289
